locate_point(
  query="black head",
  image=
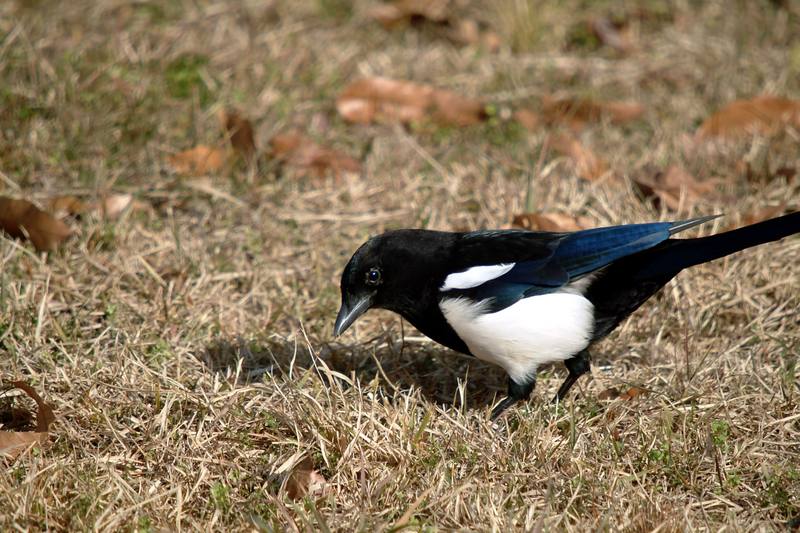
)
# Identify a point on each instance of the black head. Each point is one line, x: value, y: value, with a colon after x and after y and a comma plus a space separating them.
x: 395, y: 271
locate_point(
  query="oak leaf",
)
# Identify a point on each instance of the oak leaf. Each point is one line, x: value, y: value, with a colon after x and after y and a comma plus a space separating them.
x: 577, y: 112
x: 239, y: 131
x: 553, y: 221
x: 21, y: 219
x: 402, y: 12
x: 199, y: 160
x: 297, y: 150
x: 666, y: 187
x: 13, y: 443
x: 304, y: 481
x: 588, y: 165
x: 614, y: 35
x: 761, y: 115
x: 387, y: 100
x: 109, y: 207
x: 760, y: 215
x: 67, y: 205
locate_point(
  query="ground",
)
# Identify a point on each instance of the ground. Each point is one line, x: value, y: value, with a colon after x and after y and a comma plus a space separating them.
x: 186, y: 347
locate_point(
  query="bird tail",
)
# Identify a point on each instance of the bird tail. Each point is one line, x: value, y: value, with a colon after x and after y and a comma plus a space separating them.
x: 685, y: 253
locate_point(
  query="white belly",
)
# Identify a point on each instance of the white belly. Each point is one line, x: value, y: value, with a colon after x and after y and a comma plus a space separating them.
x: 533, y: 331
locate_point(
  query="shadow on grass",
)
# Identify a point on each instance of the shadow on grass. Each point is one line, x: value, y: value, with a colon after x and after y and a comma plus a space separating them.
x: 398, y: 368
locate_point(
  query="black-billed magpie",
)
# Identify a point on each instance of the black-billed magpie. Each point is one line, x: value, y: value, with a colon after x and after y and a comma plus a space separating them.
x: 521, y: 299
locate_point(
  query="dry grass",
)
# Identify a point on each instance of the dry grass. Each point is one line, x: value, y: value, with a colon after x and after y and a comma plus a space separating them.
x: 187, y: 348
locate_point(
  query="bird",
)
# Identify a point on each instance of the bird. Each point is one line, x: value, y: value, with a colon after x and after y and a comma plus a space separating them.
x: 521, y: 299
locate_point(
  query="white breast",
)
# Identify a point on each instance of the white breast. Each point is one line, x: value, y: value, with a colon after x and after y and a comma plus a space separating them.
x: 533, y: 331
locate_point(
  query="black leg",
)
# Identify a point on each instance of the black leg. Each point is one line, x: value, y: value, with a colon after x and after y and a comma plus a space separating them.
x: 516, y: 393
x: 577, y: 366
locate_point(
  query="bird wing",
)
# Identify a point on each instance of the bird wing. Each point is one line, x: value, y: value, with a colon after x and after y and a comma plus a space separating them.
x: 557, y: 259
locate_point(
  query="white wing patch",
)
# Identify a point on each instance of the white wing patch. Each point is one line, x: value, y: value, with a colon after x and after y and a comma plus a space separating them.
x: 472, y: 277
x: 533, y: 331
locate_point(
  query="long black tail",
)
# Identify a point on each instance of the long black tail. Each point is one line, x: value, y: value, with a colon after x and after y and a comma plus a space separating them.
x: 624, y: 285
x: 684, y: 253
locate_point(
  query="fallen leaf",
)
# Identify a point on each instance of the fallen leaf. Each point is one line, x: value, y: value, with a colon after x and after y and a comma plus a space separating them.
x: 760, y: 215
x: 558, y: 222
x: 297, y: 150
x: 389, y: 16
x: 608, y: 394
x: 787, y: 173
x: 666, y: 187
x: 587, y: 165
x: 614, y: 35
x: 577, y: 112
x: 613, y: 393
x: 199, y: 160
x: 113, y: 205
x: 530, y: 120
x: 12, y: 443
x: 403, y: 12
x: 239, y: 131
x: 21, y: 219
x: 469, y: 32
x: 763, y: 114
x: 632, y: 393
x: 386, y: 100
x: 110, y: 207
x: 67, y: 205
x: 304, y: 481
x: 465, y: 31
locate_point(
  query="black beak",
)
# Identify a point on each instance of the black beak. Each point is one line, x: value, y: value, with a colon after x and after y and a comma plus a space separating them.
x: 349, y: 313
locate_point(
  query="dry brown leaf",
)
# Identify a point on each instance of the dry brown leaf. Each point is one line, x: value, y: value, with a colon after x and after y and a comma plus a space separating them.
x: 304, y: 481
x: 386, y: 100
x: 763, y: 114
x: 67, y: 205
x: 239, y: 131
x: 613, y: 393
x: 110, y: 207
x: 389, y: 16
x: 760, y: 215
x: 666, y: 187
x: 616, y: 36
x: 469, y: 32
x: 199, y: 160
x: 559, y: 222
x: 608, y: 394
x: 113, y: 205
x: 587, y: 165
x: 12, y: 443
x: 576, y: 112
x: 530, y: 120
x: 402, y: 12
x: 297, y: 150
x: 632, y: 393
x: 21, y: 219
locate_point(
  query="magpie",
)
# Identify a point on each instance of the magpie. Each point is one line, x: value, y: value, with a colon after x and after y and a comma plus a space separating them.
x: 521, y: 299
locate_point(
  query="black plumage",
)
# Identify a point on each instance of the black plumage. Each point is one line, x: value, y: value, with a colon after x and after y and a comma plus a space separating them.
x: 476, y: 291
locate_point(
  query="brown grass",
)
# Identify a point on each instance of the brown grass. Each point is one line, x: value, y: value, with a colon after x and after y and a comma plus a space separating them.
x: 187, y: 348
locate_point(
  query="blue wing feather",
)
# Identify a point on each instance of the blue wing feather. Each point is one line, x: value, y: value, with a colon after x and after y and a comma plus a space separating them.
x: 585, y: 251
x: 575, y: 255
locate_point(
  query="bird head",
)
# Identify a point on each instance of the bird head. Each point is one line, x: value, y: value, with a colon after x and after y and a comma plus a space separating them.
x: 392, y: 271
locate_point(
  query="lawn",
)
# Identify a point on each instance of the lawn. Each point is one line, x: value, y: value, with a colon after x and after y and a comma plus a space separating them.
x: 185, y: 344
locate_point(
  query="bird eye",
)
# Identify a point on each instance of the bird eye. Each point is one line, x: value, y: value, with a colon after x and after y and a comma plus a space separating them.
x: 373, y: 276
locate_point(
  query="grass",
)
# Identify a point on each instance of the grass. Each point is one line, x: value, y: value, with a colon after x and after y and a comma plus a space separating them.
x: 187, y: 348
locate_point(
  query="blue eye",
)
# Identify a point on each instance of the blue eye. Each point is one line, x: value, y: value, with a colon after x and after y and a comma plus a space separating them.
x: 373, y: 276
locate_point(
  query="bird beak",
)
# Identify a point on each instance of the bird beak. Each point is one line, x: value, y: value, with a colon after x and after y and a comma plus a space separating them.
x: 349, y: 313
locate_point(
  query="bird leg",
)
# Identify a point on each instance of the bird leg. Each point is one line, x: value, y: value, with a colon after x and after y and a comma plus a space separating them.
x: 577, y: 366
x: 516, y: 392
